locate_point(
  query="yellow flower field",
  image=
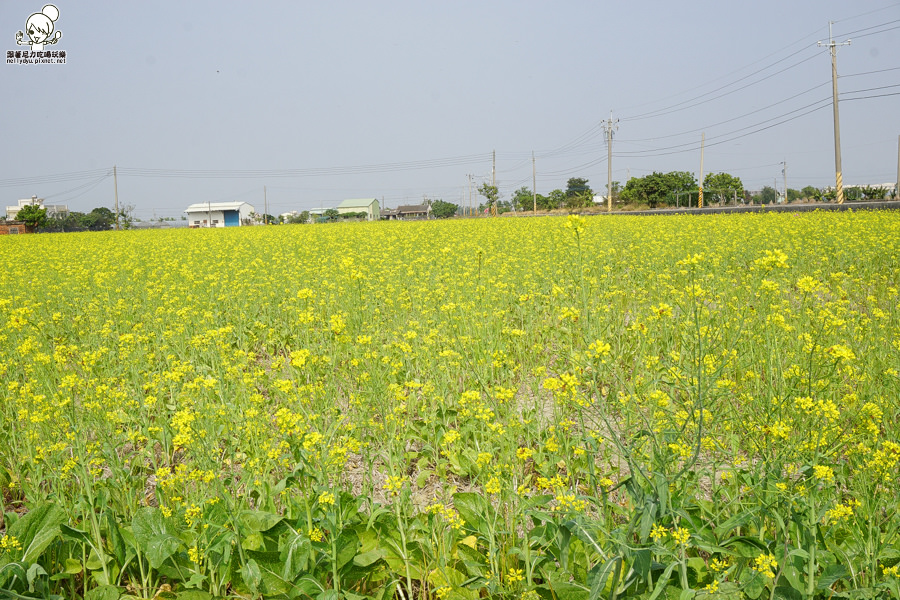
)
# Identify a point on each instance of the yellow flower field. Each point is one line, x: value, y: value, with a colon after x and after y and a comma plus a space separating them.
x: 626, y: 407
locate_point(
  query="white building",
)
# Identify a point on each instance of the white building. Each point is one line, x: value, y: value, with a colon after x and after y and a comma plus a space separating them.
x: 53, y: 210
x: 366, y: 205
x: 219, y: 214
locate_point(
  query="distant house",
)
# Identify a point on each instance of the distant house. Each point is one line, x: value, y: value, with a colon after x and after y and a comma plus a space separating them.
x: 409, y: 212
x: 366, y: 205
x: 218, y: 214
x: 53, y: 210
x: 14, y: 228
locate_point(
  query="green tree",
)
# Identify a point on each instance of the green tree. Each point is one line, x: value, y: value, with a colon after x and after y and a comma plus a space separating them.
x: 491, y: 194
x: 443, y: 210
x: 32, y: 215
x: 523, y: 199
x: 99, y: 219
x: 811, y: 193
x: 556, y: 199
x: 767, y: 195
x: 301, y: 218
x: 578, y: 193
x: 651, y: 189
x: 331, y: 214
x: 723, y: 187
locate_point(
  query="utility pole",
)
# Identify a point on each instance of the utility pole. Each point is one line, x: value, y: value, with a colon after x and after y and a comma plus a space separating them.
x: 265, y: 207
x: 898, y: 168
x: 534, y: 181
x: 784, y: 173
x: 702, y: 144
x: 494, y: 183
x: 838, y: 176
x: 469, y: 185
x: 608, y: 127
x: 494, y: 169
x: 116, y: 189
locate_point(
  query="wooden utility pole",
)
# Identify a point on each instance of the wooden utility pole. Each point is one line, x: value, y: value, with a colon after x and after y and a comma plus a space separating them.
x: 116, y: 189
x: 265, y: 207
x: 534, y: 181
x: 702, y: 144
x: 608, y: 127
x: 838, y: 176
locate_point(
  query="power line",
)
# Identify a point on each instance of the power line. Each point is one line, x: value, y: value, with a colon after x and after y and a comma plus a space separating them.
x: 704, y: 97
x: 694, y: 146
x: 57, y: 178
x: 310, y: 172
x: 815, y: 87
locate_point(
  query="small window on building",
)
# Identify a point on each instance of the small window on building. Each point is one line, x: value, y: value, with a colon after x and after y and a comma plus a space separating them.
x: 13, y: 230
x: 196, y: 222
x: 215, y: 221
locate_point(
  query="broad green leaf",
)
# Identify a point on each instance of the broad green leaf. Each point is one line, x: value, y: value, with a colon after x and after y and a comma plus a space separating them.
x: 662, y: 582
x: 830, y: 575
x: 259, y: 521
x: 369, y: 558
x: 744, y: 546
x: 563, y: 590
x: 753, y: 584
x: 154, y: 536
x: 104, y: 592
x: 735, y: 522
x: 253, y: 541
x: 251, y: 575
x: 37, y: 529
x: 346, y: 546
x: 471, y: 507
x: 270, y: 568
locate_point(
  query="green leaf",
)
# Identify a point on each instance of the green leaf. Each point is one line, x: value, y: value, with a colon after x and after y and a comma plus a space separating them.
x: 72, y: 566
x: 471, y: 507
x: 253, y: 541
x: 194, y: 595
x: 346, y: 546
x: 641, y: 563
x: 104, y: 592
x: 270, y: 568
x: 746, y: 547
x: 754, y: 584
x: 294, y: 556
x: 735, y: 522
x: 830, y: 575
x: 369, y: 558
x: 567, y: 591
x: 259, y: 521
x: 154, y: 535
x: 251, y: 575
x: 662, y: 581
x: 37, y: 529
x: 598, y: 578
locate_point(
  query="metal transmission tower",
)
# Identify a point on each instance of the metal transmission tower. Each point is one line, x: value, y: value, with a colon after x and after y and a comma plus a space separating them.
x: 838, y: 176
x: 608, y: 127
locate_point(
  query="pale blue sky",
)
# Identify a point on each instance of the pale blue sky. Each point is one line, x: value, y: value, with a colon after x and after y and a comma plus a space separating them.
x: 331, y: 100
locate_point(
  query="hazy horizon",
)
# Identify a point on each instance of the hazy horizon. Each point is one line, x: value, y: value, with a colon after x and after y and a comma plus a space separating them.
x: 320, y: 102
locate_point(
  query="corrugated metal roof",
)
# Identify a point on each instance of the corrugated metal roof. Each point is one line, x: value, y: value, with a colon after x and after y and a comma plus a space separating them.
x: 210, y: 206
x: 358, y: 203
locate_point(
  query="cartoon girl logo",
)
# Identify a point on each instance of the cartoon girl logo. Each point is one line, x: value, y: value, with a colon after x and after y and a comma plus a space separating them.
x: 40, y: 29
